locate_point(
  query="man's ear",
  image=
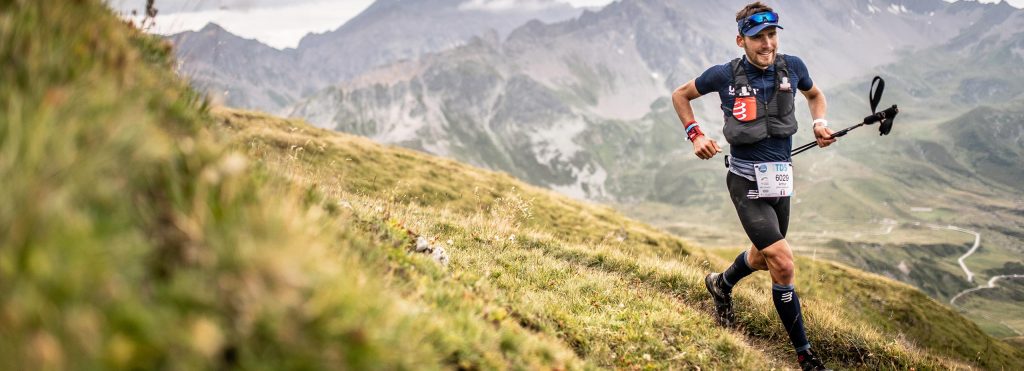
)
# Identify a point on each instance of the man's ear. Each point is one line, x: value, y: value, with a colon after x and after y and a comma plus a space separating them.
x: 739, y: 40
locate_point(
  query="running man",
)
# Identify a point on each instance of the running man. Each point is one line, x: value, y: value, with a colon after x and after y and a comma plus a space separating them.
x: 758, y: 92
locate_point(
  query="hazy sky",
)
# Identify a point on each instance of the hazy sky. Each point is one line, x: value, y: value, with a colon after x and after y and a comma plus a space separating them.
x: 278, y: 23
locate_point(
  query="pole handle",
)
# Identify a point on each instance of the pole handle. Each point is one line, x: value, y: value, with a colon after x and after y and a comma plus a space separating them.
x: 801, y: 149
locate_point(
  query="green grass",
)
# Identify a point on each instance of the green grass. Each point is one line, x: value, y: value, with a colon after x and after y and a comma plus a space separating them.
x: 603, y: 244
x: 143, y: 231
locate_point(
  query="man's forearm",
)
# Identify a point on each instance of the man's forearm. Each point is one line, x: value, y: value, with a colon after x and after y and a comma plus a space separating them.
x: 683, y: 108
x: 703, y: 147
x: 684, y: 111
x: 681, y: 98
x: 818, y: 106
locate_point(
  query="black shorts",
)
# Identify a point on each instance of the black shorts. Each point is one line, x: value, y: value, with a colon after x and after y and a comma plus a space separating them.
x: 764, y: 219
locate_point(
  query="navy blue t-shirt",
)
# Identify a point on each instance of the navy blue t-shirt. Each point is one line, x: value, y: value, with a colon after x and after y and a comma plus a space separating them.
x: 719, y: 78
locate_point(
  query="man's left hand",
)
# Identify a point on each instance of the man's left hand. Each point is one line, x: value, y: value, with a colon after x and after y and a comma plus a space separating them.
x: 823, y: 135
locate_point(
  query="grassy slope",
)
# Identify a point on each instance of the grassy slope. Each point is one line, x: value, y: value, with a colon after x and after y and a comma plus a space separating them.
x: 854, y: 314
x: 140, y: 232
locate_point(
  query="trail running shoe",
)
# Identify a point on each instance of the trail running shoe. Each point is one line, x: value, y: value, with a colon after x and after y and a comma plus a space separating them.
x: 723, y: 299
x: 809, y: 361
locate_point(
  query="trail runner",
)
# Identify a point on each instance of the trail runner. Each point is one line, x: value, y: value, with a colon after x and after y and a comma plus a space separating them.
x: 757, y: 92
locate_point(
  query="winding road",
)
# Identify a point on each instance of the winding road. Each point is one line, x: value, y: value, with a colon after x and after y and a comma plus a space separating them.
x: 977, y: 244
x: 970, y: 275
x: 991, y: 284
x: 889, y: 225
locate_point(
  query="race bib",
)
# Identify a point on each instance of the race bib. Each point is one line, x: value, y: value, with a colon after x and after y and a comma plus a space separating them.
x: 774, y: 179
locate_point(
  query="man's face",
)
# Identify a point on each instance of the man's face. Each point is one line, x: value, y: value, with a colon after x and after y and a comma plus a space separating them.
x: 760, y: 48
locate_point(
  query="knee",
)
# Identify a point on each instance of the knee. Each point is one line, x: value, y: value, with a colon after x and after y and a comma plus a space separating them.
x: 762, y: 265
x: 757, y: 263
x: 784, y: 269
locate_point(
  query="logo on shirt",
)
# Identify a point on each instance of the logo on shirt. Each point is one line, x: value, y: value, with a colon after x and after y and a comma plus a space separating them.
x: 745, y: 109
x: 740, y: 110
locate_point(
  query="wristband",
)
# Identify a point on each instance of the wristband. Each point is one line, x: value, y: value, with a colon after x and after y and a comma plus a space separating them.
x: 823, y: 122
x: 693, y: 131
x: 690, y: 126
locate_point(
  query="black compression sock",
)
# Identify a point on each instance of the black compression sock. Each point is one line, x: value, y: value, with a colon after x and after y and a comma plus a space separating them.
x: 788, y: 306
x: 736, y: 271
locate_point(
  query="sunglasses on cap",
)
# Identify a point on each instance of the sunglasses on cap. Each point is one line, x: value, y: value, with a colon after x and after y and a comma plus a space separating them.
x: 757, y: 22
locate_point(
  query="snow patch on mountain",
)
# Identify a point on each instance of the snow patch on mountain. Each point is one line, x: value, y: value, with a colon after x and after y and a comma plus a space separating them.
x: 556, y: 143
x: 589, y: 183
x: 556, y: 147
x: 400, y: 124
x: 897, y: 9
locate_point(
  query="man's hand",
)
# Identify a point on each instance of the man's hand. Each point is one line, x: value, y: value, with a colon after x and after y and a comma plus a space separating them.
x: 823, y: 135
x: 705, y: 148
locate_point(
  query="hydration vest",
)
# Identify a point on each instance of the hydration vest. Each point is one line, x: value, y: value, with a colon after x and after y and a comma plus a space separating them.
x: 752, y: 119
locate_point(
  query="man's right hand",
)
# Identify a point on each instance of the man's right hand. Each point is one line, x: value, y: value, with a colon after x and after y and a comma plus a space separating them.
x: 705, y: 148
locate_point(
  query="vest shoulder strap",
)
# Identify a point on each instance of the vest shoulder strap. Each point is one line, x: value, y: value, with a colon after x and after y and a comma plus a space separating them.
x: 780, y: 61
x: 739, y: 76
x: 780, y: 65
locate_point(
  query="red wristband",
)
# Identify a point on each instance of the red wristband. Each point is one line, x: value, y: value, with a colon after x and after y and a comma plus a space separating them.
x: 694, y: 132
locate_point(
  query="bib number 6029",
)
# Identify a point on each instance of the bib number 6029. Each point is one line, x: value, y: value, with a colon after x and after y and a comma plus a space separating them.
x: 774, y: 179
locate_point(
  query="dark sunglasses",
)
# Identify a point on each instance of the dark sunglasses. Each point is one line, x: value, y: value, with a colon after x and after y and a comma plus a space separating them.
x: 757, y: 19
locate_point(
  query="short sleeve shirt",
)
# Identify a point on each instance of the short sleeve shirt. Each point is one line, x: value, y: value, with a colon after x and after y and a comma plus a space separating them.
x: 719, y: 79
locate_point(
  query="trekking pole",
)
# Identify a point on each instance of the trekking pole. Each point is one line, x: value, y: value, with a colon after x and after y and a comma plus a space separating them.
x: 885, y: 117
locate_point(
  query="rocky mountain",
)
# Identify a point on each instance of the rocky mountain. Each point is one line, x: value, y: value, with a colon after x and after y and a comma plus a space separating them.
x: 240, y: 72
x: 246, y: 73
x: 580, y: 105
x: 392, y: 30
